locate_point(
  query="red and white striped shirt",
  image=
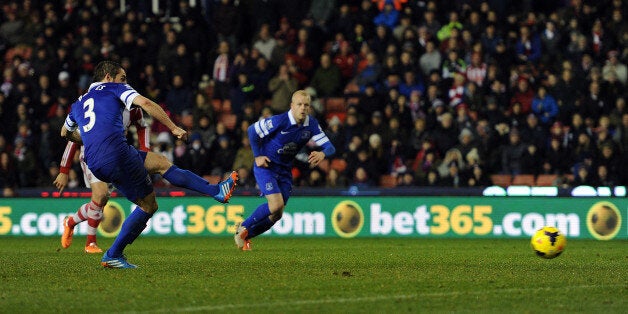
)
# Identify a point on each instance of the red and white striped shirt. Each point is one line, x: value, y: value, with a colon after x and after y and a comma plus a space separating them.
x: 476, y: 74
x: 221, y: 68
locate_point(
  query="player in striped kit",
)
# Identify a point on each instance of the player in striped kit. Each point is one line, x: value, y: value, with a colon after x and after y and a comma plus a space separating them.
x: 93, y: 211
x: 275, y: 141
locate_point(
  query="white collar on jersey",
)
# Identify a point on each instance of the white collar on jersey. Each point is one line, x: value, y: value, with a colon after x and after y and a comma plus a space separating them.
x: 92, y: 85
x: 294, y: 121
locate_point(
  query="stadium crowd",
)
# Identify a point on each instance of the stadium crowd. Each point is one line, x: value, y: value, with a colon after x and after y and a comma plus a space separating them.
x: 426, y: 93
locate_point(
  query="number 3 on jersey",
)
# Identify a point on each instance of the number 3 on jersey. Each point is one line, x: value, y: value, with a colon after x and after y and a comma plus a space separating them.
x: 90, y: 115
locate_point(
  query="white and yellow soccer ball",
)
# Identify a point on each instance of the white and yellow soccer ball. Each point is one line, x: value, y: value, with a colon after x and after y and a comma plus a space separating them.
x: 548, y: 242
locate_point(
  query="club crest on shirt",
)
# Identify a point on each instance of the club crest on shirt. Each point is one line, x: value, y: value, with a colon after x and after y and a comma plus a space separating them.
x: 269, y: 124
x: 306, y: 135
x: 269, y: 186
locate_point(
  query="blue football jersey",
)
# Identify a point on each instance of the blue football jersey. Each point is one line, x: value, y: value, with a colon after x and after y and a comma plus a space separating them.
x: 98, y: 116
x: 281, y: 138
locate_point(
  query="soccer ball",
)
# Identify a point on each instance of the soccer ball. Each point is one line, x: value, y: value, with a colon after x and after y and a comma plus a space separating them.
x: 548, y: 242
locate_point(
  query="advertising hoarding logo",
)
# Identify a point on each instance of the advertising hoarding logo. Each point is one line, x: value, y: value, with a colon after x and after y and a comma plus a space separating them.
x: 113, y: 217
x: 347, y: 218
x: 603, y: 220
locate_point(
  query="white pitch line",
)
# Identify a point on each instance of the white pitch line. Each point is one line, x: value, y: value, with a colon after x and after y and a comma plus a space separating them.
x: 365, y: 299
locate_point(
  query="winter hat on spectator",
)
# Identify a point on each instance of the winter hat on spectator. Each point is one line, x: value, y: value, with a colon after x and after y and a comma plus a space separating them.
x: 64, y: 75
x: 164, y: 138
x: 334, y: 121
x: 195, y: 136
x: 438, y: 103
x: 465, y: 132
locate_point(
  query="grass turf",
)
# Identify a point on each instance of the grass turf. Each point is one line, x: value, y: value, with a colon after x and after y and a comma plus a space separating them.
x: 306, y: 275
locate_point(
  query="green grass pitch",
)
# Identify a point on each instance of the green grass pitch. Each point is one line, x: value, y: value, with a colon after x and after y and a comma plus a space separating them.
x: 306, y: 275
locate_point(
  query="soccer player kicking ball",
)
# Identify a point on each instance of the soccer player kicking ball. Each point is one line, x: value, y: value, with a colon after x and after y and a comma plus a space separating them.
x: 275, y: 141
x: 96, y: 121
x: 93, y: 211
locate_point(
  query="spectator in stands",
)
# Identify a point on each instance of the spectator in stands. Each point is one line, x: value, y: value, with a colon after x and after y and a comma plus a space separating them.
x: 226, y: 20
x: 179, y: 97
x: 477, y: 177
x: 583, y: 176
x: 223, y: 156
x: 513, y: 153
x: 221, y: 75
x: 446, y: 133
x: 346, y: 61
x: 431, y: 59
x: 327, y: 78
x: 361, y: 178
x: 9, y: 177
x: 26, y: 163
x: 451, y: 65
x: 452, y: 177
x: 466, y: 142
x: 523, y: 94
x: 376, y: 126
x: 603, y: 177
x: 265, y: 43
x: 242, y: 93
x: 609, y: 157
x: 528, y: 46
x: 410, y: 84
x: 584, y: 149
x: 314, y: 179
x: 244, y: 155
x: 557, y: 160
x: 245, y: 179
x: 613, y: 65
x: 595, y: 103
x: 388, y: 16
x: 531, y: 160
x: 282, y: 86
x: 432, y: 179
x: 544, y: 106
x: 533, y: 132
x: 445, y: 31
x: 453, y: 155
x: 370, y: 74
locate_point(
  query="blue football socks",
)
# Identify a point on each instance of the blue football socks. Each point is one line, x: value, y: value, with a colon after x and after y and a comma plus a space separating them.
x: 258, y: 215
x: 189, y: 180
x: 131, y: 229
x: 260, y: 227
x: 259, y: 221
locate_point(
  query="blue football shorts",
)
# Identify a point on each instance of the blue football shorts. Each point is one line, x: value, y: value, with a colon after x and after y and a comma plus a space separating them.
x: 127, y: 174
x: 274, y: 179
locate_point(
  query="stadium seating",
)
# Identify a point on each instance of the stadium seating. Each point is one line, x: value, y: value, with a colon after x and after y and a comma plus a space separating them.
x: 546, y: 179
x: 335, y: 104
x: 339, y: 165
x: 324, y: 165
x: 503, y: 180
x: 524, y: 179
x: 388, y: 181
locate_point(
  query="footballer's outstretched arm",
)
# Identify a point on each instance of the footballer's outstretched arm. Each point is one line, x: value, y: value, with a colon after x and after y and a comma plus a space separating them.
x: 158, y: 113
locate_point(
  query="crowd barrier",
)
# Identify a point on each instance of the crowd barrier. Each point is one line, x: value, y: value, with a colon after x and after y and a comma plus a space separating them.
x: 514, y: 212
